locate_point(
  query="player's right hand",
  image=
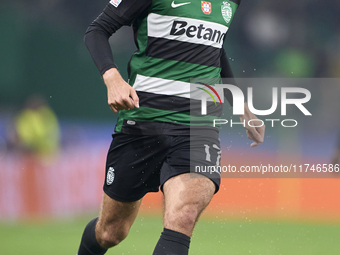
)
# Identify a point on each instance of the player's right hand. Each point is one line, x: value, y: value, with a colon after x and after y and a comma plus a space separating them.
x: 120, y: 95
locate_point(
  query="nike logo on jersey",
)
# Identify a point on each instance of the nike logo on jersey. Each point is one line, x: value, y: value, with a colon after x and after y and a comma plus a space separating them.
x: 173, y: 5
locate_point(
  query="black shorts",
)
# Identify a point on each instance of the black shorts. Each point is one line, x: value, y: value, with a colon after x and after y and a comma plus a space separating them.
x: 138, y: 164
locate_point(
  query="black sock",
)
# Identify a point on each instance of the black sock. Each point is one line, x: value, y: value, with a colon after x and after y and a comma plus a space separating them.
x: 89, y: 244
x: 172, y: 243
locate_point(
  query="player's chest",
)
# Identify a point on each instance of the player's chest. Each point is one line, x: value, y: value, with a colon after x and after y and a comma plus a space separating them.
x: 217, y: 11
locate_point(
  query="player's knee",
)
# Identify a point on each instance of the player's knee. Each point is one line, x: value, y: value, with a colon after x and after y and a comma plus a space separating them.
x: 184, y: 218
x: 112, y: 237
x: 189, y: 216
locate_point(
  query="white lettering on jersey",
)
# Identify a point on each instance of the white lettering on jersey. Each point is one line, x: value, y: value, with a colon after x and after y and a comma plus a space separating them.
x: 186, y: 30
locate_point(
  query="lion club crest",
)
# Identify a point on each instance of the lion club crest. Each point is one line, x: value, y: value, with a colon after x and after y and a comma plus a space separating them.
x: 110, y: 176
x: 206, y: 7
x: 227, y: 12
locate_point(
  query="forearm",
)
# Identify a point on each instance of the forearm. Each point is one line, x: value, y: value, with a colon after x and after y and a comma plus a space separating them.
x: 227, y: 73
x: 97, y: 42
x: 100, y: 50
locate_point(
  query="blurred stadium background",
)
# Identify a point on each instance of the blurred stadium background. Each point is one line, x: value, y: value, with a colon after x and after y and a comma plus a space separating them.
x: 55, y: 129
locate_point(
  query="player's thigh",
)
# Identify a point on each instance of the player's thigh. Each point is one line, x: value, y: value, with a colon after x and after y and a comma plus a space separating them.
x: 116, y: 217
x: 133, y: 166
x: 185, y: 197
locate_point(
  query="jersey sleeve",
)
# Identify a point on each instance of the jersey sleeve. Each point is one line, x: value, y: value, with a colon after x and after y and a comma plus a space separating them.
x: 126, y: 11
x: 115, y: 15
x: 238, y: 2
x: 226, y: 72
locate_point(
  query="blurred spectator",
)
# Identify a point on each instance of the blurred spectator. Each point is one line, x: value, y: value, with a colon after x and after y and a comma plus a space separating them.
x: 293, y: 62
x: 37, y: 128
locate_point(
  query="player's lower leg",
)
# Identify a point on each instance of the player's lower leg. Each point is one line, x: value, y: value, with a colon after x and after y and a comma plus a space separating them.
x: 172, y: 243
x: 112, y: 227
x: 89, y: 244
x: 184, y: 198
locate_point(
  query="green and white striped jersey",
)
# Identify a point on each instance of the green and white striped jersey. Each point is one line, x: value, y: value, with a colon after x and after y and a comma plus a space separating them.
x: 177, y: 40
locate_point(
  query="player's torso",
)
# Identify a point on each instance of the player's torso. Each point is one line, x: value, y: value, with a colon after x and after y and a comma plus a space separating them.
x: 183, y: 36
x: 177, y: 40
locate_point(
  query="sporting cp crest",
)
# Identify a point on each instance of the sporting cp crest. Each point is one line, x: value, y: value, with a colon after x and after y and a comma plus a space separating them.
x: 206, y: 7
x: 110, y: 176
x: 227, y: 12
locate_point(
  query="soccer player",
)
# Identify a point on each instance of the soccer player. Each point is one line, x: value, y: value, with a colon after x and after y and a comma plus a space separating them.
x: 176, y: 40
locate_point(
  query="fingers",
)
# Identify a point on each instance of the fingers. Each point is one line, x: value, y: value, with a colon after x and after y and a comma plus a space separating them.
x: 256, y: 134
x: 121, y: 104
x: 121, y: 96
x: 113, y: 108
x: 255, y: 131
x: 134, y: 97
x: 130, y: 101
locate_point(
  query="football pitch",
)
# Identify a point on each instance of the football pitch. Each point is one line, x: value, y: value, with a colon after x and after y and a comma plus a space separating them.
x: 212, y: 236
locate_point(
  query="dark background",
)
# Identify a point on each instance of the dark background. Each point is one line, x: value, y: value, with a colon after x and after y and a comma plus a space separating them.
x: 42, y: 49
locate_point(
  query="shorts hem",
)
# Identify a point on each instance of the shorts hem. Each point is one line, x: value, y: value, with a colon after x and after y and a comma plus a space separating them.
x: 217, y: 183
x: 125, y: 199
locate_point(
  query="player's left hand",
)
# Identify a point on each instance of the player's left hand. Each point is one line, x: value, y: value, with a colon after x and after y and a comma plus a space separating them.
x: 254, y: 133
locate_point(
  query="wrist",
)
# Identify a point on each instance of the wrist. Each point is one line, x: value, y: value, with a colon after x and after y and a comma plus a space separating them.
x: 112, y: 72
x: 112, y: 76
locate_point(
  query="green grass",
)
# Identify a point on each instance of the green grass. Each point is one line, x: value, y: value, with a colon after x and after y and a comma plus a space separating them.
x: 211, y: 237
